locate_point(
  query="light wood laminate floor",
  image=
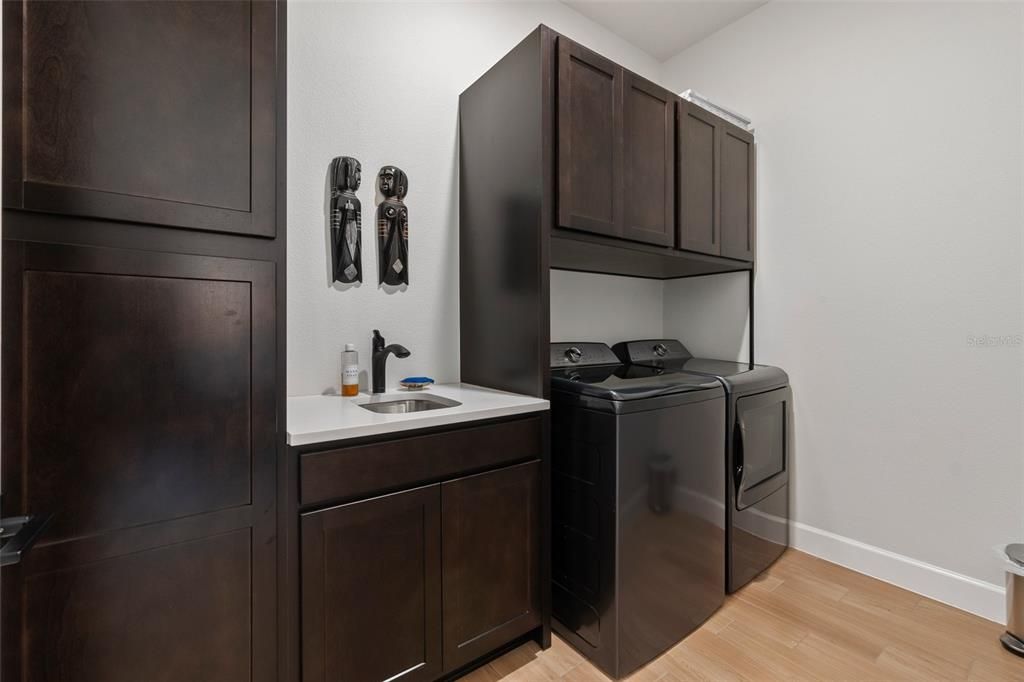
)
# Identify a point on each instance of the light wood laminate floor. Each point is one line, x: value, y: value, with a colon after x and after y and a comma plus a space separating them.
x: 803, y: 619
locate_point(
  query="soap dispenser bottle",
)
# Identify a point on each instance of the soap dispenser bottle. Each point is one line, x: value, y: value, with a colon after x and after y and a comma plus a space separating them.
x: 350, y: 371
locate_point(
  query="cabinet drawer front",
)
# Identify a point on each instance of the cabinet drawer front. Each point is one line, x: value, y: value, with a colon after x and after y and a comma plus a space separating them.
x: 350, y: 472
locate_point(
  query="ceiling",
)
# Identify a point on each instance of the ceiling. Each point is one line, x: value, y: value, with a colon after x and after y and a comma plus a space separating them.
x: 663, y: 29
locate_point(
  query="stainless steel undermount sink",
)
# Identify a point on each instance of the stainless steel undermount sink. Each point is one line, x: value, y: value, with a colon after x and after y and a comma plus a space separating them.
x: 404, y: 405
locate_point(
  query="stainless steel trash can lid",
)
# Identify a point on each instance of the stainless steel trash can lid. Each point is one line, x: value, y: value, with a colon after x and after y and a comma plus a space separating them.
x: 1015, y: 552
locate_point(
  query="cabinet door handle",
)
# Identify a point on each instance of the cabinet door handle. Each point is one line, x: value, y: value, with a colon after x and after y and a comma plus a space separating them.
x: 19, y: 534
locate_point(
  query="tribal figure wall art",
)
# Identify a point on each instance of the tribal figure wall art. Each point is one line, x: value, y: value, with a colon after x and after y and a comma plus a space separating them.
x: 346, y: 220
x: 393, y: 226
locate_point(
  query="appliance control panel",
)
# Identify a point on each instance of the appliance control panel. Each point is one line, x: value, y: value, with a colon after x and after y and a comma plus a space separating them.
x: 573, y: 354
x: 651, y: 351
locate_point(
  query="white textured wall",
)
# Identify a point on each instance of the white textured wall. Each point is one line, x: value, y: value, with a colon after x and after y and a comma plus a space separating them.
x: 890, y: 230
x: 381, y: 82
x: 890, y: 225
x: 589, y: 307
x: 709, y: 315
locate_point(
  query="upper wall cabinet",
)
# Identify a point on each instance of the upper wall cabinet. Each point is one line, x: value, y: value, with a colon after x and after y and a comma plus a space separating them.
x: 716, y: 187
x: 590, y: 170
x: 568, y: 161
x: 699, y: 134
x: 149, y: 112
x: 648, y: 161
x: 616, y: 132
x: 738, y: 196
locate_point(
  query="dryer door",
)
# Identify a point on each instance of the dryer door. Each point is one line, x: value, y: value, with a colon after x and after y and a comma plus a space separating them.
x: 761, y: 445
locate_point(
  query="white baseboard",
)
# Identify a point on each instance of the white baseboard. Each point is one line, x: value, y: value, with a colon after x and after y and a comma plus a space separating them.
x: 963, y: 592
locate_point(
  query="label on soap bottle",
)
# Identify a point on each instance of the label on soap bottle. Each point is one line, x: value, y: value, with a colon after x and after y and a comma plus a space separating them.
x: 350, y: 380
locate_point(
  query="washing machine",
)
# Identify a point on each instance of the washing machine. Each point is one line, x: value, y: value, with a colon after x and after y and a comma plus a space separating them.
x: 638, y: 505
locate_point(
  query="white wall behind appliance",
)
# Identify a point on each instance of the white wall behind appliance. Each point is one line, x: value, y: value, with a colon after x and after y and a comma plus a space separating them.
x: 890, y: 214
x: 380, y: 82
x: 709, y: 315
x: 589, y: 307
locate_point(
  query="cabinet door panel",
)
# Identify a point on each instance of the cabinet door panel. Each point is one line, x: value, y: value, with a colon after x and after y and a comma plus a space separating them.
x: 739, y: 206
x: 371, y: 589
x: 589, y: 140
x: 166, y: 364
x: 149, y: 112
x: 699, y: 228
x: 649, y: 161
x: 180, y: 612
x: 490, y: 530
x: 139, y: 410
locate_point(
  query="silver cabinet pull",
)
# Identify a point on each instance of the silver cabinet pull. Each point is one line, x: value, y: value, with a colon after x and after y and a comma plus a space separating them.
x: 19, y: 533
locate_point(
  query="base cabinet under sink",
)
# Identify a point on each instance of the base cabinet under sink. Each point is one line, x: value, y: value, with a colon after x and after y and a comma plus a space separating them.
x: 371, y: 589
x: 416, y: 584
x: 490, y: 560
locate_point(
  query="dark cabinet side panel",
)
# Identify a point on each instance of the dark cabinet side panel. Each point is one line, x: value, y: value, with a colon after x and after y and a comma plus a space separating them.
x: 589, y: 140
x: 699, y: 228
x: 506, y: 164
x: 648, y: 162
x: 371, y: 589
x: 739, y: 209
x: 490, y: 529
x: 150, y: 112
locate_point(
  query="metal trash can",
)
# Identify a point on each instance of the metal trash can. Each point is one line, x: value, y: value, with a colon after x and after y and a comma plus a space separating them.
x: 1013, y: 638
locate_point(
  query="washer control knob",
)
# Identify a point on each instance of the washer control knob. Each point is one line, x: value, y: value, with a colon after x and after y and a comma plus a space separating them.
x: 660, y: 350
x: 573, y: 354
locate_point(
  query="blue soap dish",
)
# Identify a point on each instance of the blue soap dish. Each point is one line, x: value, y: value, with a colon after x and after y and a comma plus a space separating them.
x: 416, y: 383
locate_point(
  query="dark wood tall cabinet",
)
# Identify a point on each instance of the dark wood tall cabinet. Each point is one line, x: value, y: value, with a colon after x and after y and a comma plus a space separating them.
x: 569, y: 161
x: 143, y: 346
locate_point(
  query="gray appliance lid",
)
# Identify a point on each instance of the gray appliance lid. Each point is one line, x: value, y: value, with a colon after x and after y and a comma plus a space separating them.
x: 671, y: 354
x: 591, y: 369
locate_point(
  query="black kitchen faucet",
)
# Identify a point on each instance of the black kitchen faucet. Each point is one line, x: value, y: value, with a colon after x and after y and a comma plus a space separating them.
x: 380, y: 358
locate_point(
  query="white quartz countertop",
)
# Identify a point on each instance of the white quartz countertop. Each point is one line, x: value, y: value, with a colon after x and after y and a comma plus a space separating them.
x: 323, y: 418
